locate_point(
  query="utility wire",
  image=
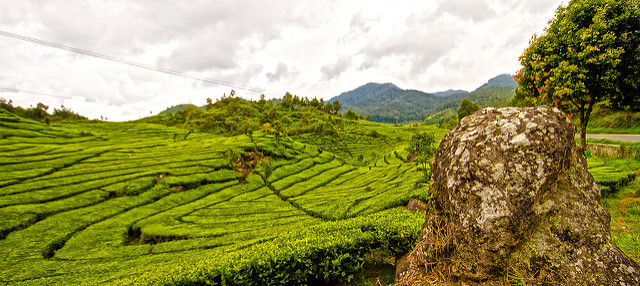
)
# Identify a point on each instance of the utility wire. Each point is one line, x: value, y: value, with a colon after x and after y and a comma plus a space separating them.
x: 139, y: 65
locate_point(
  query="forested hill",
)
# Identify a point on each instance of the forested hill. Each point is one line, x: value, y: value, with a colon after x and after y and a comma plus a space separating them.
x: 503, y: 80
x: 389, y: 103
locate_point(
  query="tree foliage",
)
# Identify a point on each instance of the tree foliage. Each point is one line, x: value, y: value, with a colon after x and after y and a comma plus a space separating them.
x: 423, y: 147
x: 232, y: 115
x: 351, y: 115
x: 467, y: 107
x: 39, y: 112
x: 590, y: 53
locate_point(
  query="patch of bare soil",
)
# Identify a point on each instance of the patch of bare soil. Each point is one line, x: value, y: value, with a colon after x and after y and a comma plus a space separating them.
x: 245, y: 163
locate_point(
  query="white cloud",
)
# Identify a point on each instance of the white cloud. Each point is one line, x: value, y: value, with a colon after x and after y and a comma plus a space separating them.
x: 310, y: 48
x: 334, y: 70
x: 281, y: 71
x: 475, y: 11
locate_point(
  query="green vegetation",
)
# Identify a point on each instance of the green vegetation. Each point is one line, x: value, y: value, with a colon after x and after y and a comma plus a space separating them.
x: 237, y: 192
x: 422, y: 148
x: 613, y: 174
x: 39, y: 113
x: 390, y: 104
x: 622, y: 201
x: 467, y: 107
x: 589, y: 54
x: 240, y: 193
x: 607, y: 120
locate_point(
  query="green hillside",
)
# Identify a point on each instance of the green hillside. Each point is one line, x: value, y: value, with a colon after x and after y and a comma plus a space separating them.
x: 93, y: 202
x: 503, y: 80
x: 237, y: 193
x: 390, y: 104
x: 446, y: 115
x: 607, y: 120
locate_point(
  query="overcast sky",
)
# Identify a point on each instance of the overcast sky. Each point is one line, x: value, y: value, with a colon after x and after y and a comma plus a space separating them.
x: 309, y: 48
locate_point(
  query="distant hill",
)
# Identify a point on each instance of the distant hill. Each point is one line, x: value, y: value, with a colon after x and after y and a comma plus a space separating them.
x: 388, y: 103
x: 368, y: 92
x: 448, y: 92
x: 503, y: 80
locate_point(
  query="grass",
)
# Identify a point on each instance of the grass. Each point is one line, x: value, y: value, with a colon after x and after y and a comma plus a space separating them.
x: 605, y: 120
x: 622, y: 202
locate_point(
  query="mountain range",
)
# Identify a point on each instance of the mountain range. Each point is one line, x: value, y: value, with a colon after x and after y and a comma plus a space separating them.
x: 388, y: 103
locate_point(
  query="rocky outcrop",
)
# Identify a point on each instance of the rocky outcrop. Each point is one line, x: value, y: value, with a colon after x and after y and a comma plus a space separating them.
x: 514, y: 203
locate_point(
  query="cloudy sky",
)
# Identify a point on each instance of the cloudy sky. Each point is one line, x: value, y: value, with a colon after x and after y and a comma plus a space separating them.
x: 309, y: 48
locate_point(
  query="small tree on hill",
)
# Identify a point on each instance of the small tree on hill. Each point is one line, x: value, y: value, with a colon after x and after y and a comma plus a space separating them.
x: 39, y: 112
x: 423, y: 147
x: 287, y: 101
x: 332, y: 108
x: 336, y: 107
x: 467, y: 107
x: 266, y: 165
x: 351, y: 115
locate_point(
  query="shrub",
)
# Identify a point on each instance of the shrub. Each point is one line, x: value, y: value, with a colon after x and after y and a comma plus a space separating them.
x: 467, y: 107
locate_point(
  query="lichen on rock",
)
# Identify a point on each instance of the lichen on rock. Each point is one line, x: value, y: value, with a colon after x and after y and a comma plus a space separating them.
x: 513, y: 198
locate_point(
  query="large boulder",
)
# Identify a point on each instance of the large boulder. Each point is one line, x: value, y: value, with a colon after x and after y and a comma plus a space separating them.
x: 514, y: 203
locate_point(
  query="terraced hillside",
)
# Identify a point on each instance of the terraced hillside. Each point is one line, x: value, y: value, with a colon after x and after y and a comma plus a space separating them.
x: 137, y: 203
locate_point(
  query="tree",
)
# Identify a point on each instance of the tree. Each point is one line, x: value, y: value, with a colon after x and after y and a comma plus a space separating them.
x: 332, y: 108
x: 7, y: 105
x: 287, y: 101
x: 267, y: 169
x: 467, y: 107
x: 209, y: 104
x: 423, y: 147
x: 336, y: 107
x: 39, y: 112
x: 589, y: 54
x: 65, y: 114
x: 315, y: 103
x: 350, y: 115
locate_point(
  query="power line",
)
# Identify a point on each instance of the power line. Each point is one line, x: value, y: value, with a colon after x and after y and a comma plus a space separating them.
x: 130, y: 63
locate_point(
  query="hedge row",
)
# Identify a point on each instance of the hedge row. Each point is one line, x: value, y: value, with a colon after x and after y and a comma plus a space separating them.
x: 332, y: 251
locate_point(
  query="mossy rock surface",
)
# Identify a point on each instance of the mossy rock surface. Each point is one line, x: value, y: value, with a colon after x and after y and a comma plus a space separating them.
x: 514, y: 199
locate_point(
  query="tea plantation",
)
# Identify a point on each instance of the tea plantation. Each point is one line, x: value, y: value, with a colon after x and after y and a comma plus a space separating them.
x: 177, y: 199
x: 137, y: 203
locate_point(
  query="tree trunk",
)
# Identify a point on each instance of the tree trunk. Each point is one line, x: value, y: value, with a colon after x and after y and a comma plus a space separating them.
x: 583, y: 127
x: 583, y: 135
x: 584, y: 121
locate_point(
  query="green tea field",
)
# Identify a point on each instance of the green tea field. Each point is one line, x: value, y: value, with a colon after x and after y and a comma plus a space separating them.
x: 139, y: 203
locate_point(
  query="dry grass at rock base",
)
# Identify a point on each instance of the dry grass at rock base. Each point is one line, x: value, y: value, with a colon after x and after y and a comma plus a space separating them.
x: 431, y: 260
